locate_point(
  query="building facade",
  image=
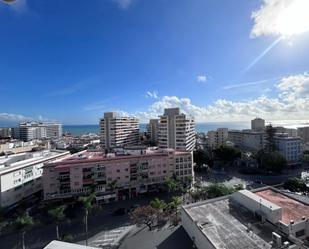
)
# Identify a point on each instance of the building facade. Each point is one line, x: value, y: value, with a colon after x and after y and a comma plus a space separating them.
x: 289, y: 147
x: 34, y: 130
x: 118, y: 131
x: 115, y: 176
x: 303, y: 133
x: 176, y: 130
x: 258, y: 124
x: 5, y: 132
x: 20, y: 175
x: 247, y: 139
x: 289, y: 131
x: 217, y: 138
x: 152, y: 130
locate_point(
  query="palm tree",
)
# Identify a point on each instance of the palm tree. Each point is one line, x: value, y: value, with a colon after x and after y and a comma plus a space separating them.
x: 58, y: 216
x: 171, y: 184
x: 112, y: 185
x: 175, y: 202
x: 158, y: 204
x: 88, y: 205
x: 24, y: 222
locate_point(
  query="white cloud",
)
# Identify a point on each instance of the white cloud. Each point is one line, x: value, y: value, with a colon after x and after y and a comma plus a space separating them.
x: 13, y: 118
x: 292, y: 102
x: 281, y: 18
x: 201, y: 78
x: 152, y: 94
x: 123, y: 4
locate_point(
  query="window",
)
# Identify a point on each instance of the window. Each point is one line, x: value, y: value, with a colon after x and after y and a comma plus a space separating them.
x: 300, y: 233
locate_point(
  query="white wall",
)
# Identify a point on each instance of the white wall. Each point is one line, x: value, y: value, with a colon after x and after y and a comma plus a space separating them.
x: 255, y: 203
x: 193, y: 230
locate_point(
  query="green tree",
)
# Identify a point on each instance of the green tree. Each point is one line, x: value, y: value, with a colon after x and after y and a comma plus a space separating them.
x: 23, y: 223
x: 87, y: 202
x: 217, y: 190
x: 295, y: 185
x: 227, y: 154
x: 171, y: 184
x: 271, y: 161
x: 58, y: 216
x: 158, y: 204
x: 145, y: 215
x: 201, y: 157
x: 270, y: 134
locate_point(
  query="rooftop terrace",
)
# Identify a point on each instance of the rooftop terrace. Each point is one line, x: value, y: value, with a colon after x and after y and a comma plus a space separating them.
x: 291, y: 208
x: 8, y: 163
x: 226, y: 226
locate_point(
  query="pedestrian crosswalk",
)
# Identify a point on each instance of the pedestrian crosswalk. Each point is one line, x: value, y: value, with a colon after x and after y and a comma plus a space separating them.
x: 109, y: 238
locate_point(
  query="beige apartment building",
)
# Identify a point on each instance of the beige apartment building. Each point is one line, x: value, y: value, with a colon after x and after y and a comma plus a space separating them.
x: 118, y: 131
x: 217, y: 138
x: 176, y: 130
x: 152, y: 130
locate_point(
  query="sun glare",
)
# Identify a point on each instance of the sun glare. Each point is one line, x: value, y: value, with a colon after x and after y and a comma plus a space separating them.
x: 294, y: 19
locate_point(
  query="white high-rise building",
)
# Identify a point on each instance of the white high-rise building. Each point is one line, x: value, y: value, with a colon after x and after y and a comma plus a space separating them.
x: 152, y: 130
x: 176, y: 130
x: 53, y: 130
x: 217, y: 138
x: 5, y: 132
x: 258, y: 124
x: 31, y: 130
x: 119, y: 131
x: 34, y: 130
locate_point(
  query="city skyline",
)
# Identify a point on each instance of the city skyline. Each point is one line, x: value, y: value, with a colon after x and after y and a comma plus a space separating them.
x: 230, y: 62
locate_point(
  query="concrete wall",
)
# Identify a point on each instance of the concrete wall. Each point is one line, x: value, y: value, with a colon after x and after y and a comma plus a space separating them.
x: 194, y: 232
x: 256, y: 204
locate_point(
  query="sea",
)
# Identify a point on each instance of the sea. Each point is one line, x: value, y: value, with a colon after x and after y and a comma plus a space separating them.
x: 78, y: 130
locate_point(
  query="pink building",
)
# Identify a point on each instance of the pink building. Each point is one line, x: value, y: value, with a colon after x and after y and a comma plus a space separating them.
x: 115, y: 176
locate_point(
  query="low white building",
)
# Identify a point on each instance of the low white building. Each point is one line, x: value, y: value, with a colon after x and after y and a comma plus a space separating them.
x: 262, y: 219
x: 20, y: 175
x: 217, y: 138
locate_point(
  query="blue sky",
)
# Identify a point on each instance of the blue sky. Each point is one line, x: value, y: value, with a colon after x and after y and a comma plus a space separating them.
x: 72, y: 60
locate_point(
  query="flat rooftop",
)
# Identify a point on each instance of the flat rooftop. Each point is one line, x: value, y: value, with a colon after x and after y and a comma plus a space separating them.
x: 13, y: 162
x: 225, y: 225
x: 292, y: 209
x: 94, y: 156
